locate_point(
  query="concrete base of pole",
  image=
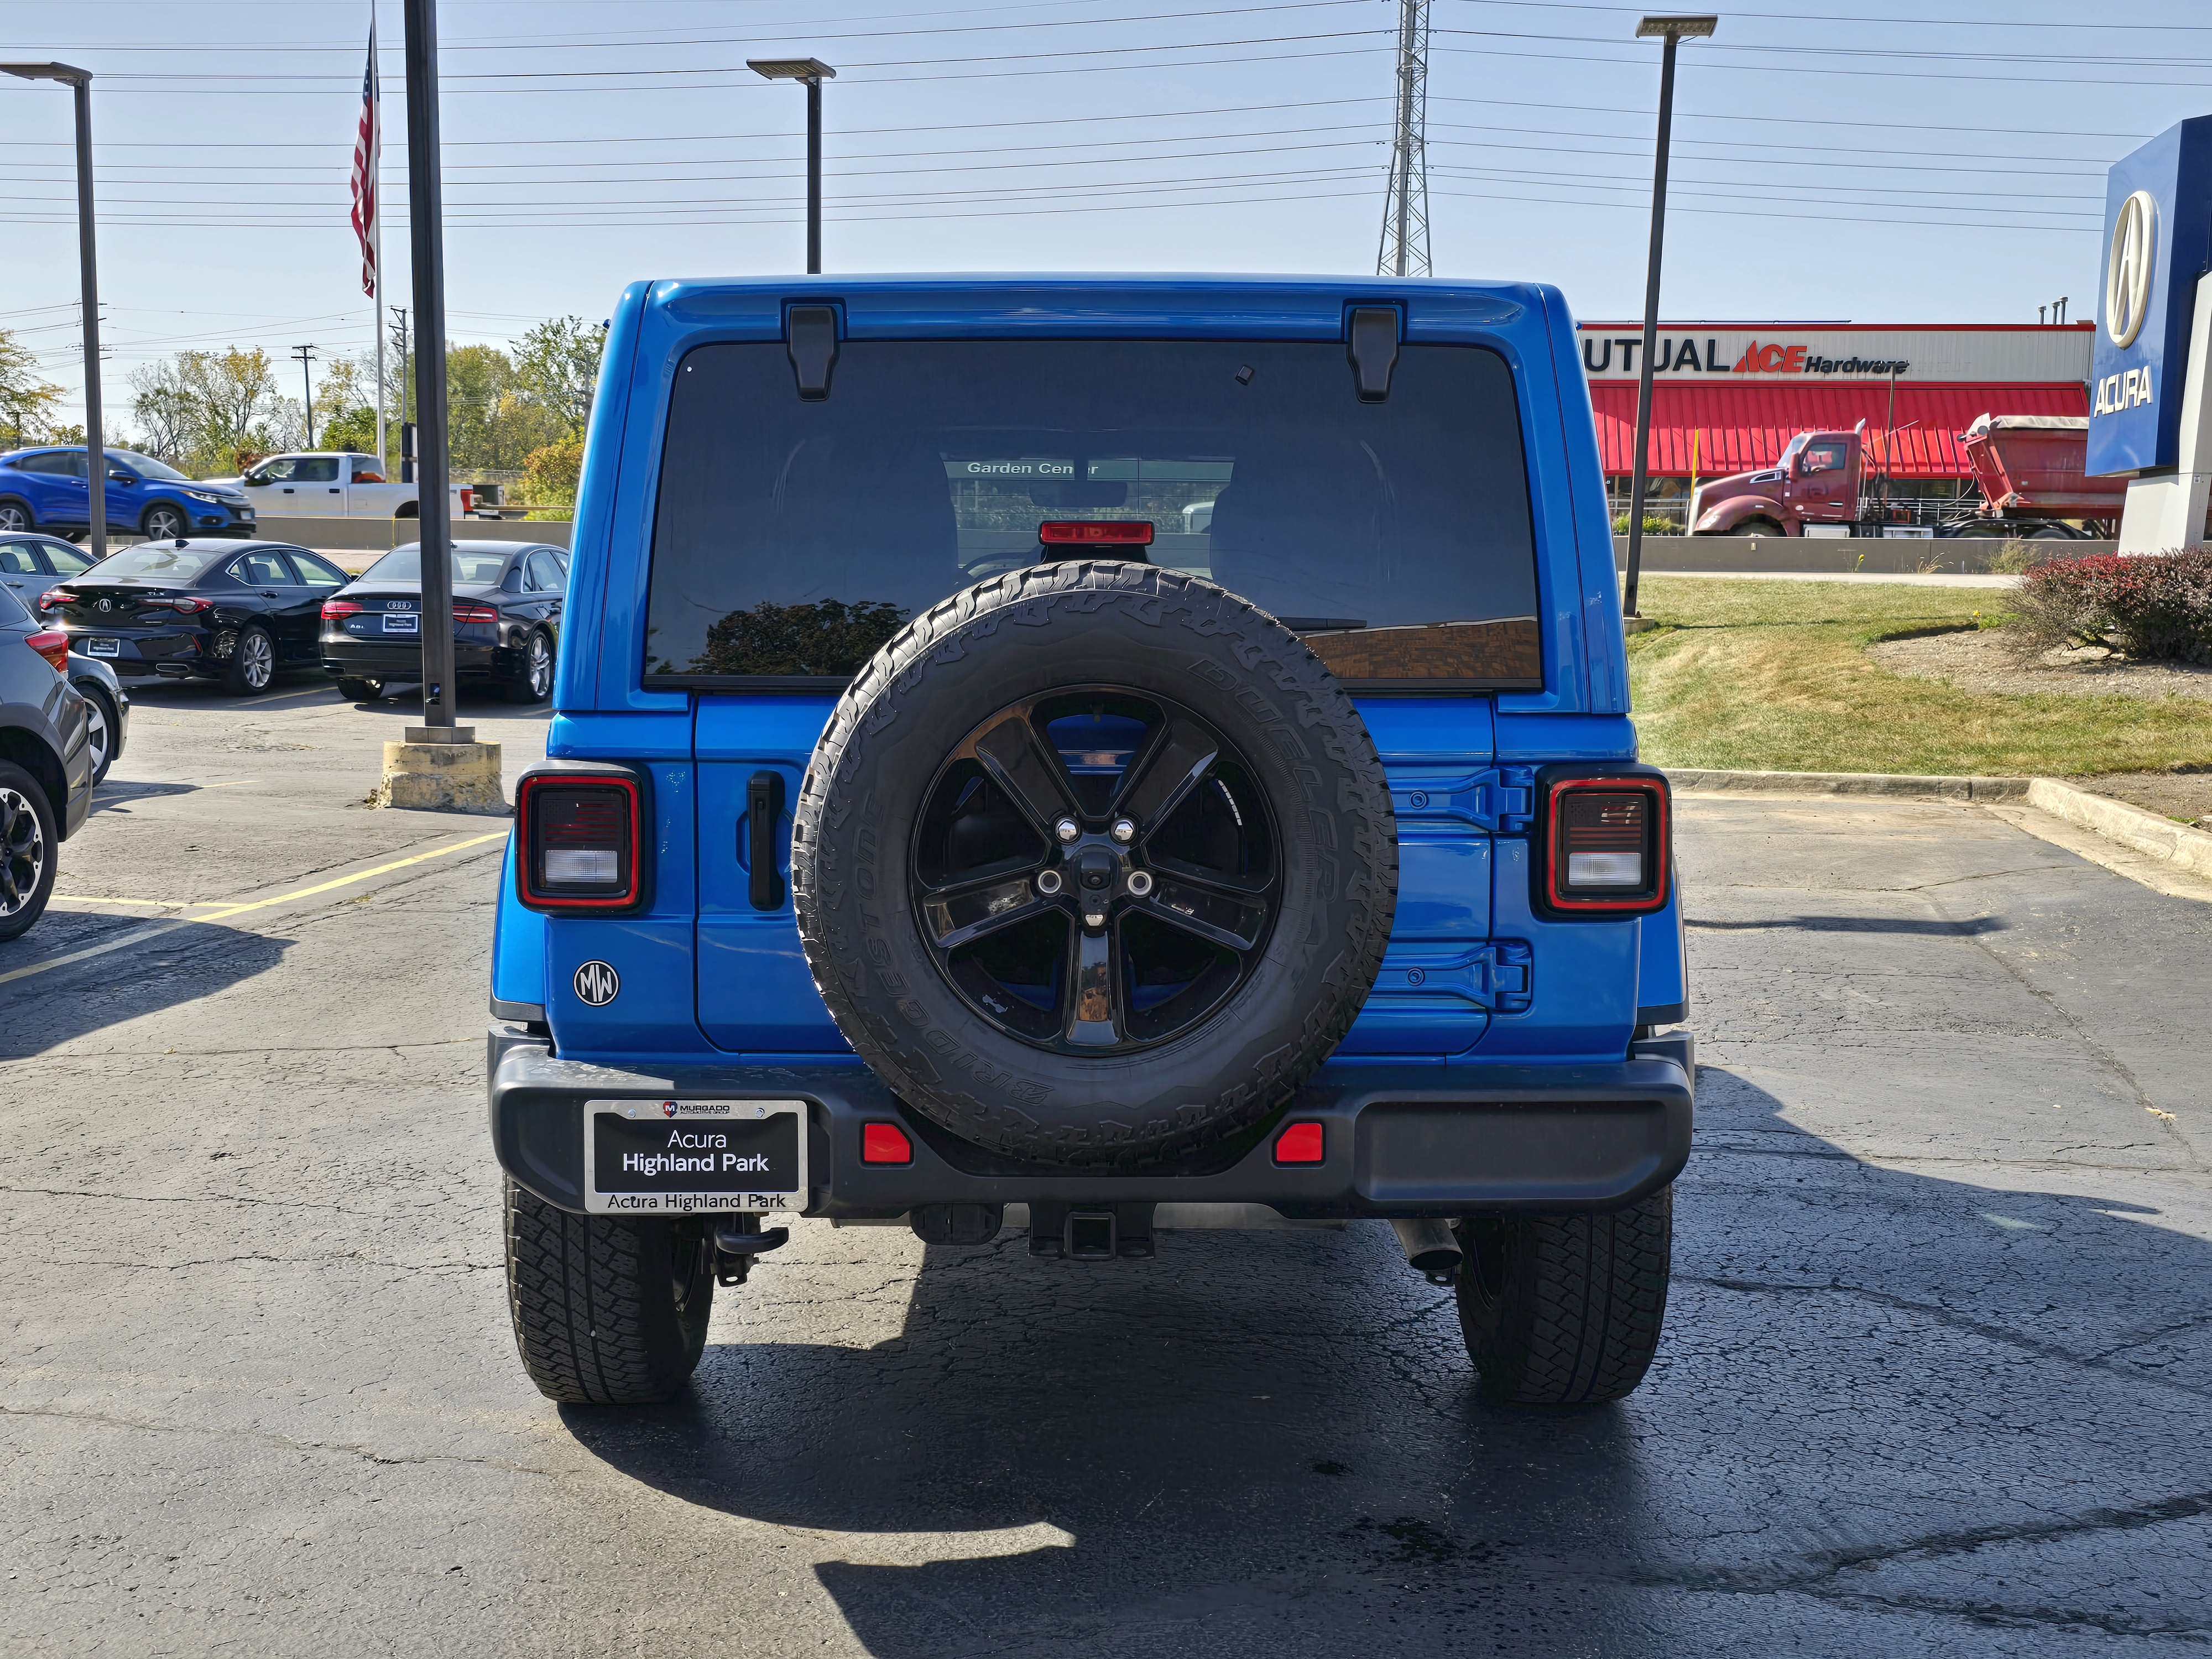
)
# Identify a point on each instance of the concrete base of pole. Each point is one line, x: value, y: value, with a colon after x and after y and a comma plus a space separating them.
x: 1636, y: 624
x: 442, y: 776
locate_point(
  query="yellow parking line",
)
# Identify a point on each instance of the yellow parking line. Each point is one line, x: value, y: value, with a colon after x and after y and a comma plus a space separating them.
x: 225, y: 912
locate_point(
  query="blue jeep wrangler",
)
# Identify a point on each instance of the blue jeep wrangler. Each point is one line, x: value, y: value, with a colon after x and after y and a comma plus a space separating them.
x: 1090, y: 757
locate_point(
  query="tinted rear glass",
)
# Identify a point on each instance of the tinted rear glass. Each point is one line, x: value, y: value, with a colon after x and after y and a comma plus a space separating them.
x: 404, y: 564
x: 159, y: 561
x: 792, y: 538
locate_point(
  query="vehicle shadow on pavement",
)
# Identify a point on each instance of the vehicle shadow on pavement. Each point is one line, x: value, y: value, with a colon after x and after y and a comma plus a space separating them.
x: 43, y: 1011
x: 1270, y: 1442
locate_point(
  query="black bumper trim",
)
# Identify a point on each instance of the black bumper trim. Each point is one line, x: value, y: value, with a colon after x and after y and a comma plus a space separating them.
x: 1397, y: 1140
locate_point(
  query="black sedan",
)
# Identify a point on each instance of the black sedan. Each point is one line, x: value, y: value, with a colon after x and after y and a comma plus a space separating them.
x: 507, y: 620
x: 197, y: 608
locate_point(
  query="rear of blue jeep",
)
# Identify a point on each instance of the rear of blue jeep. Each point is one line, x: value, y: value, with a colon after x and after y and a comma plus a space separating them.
x: 1090, y: 757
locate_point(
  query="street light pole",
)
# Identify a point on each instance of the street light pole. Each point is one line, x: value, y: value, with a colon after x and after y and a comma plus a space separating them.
x: 425, y: 229
x: 95, y: 446
x: 1671, y: 30
x: 813, y: 72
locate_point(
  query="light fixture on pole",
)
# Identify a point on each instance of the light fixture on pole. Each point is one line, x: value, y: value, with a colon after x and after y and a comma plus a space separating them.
x: 813, y: 71
x: 95, y: 446
x: 1672, y: 31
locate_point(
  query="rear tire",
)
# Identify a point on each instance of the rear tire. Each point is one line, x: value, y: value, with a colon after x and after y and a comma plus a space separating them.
x: 532, y: 679
x: 30, y: 843
x: 252, y: 665
x: 105, y: 724
x: 1565, y: 1309
x: 15, y: 515
x: 354, y: 690
x: 607, y: 1311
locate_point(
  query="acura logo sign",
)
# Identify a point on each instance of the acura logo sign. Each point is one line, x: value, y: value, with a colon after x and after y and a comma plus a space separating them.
x: 597, y: 984
x: 2128, y: 269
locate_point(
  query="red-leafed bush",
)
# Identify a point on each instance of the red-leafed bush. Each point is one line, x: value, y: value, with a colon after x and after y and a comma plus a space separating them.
x: 2147, y: 605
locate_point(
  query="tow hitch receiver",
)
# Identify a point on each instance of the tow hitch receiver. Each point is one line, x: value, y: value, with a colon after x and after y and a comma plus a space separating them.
x: 737, y: 1240
x: 1105, y: 1232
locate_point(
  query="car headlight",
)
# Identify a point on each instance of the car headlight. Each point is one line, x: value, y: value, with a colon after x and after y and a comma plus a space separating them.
x: 207, y: 495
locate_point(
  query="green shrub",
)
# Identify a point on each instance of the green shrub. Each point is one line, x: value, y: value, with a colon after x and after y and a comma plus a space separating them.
x: 1653, y: 526
x: 2151, y: 605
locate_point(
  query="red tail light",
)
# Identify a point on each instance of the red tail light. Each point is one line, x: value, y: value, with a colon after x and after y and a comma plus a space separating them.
x: 468, y: 499
x: 53, y: 645
x: 55, y: 598
x: 190, y: 607
x: 470, y: 613
x: 582, y: 841
x: 885, y: 1143
x: 1122, y: 532
x: 1606, y: 845
x: 336, y: 608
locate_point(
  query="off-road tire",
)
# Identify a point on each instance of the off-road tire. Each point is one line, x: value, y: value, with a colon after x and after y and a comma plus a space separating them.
x: 1160, y: 633
x: 354, y: 690
x: 597, y: 1316
x: 1565, y: 1309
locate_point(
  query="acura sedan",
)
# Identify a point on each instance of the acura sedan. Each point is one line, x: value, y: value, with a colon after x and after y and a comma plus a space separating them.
x: 507, y: 620
x: 197, y: 608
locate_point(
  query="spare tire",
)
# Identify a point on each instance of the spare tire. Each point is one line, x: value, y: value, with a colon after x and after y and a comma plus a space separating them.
x: 1094, y: 864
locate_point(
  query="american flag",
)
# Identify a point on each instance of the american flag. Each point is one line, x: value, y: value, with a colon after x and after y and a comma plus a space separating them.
x: 367, y: 144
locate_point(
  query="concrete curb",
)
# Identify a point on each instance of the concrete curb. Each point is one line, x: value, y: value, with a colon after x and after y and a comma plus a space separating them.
x: 1849, y: 783
x: 2132, y: 827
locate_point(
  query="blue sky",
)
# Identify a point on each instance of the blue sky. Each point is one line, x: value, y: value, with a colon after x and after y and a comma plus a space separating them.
x: 1946, y: 167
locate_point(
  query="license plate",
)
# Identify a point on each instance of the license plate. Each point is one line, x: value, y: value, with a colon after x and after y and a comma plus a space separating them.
x: 397, y: 623
x: 103, y: 647
x: 691, y: 1156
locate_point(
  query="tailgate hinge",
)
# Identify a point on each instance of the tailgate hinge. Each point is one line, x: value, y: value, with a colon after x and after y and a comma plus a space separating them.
x: 1499, y: 975
x: 1501, y: 799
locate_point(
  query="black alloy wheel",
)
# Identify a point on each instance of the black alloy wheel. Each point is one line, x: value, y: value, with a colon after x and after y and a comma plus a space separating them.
x: 1094, y: 870
x: 163, y: 522
x: 26, y: 851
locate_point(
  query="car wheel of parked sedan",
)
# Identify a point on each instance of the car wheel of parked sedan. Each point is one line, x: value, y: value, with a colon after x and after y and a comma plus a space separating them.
x: 608, y: 1311
x: 163, y: 522
x: 533, y: 676
x: 253, y: 661
x: 101, y: 725
x: 28, y: 842
x: 1565, y: 1309
x: 354, y: 690
x: 14, y: 515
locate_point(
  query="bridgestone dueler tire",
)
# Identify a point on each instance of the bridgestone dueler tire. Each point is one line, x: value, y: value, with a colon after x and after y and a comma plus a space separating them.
x: 1565, y: 1309
x: 607, y: 1311
x: 1084, y: 623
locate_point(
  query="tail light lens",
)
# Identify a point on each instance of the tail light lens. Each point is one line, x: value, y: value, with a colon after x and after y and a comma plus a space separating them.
x: 582, y: 842
x: 333, y: 608
x: 1607, y: 845
x: 1078, y: 532
x: 470, y: 613
x: 51, y: 644
x: 55, y: 598
x: 468, y: 499
x: 189, y: 607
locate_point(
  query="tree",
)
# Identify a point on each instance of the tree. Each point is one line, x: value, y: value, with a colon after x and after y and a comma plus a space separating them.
x: 168, y: 419
x: 558, y: 365
x: 26, y: 403
x: 202, y: 411
x: 345, y: 405
x: 550, y: 476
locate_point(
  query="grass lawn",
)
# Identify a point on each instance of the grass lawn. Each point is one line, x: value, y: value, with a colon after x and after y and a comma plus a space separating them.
x: 1774, y: 676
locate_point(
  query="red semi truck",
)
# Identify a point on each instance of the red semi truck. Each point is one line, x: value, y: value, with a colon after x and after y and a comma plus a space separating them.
x: 2028, y: 469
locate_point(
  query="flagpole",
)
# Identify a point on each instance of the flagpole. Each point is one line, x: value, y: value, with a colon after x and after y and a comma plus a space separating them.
x: 376, y: 184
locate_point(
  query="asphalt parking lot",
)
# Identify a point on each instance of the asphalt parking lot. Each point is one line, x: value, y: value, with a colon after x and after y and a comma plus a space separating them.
x: 1936, y: 1378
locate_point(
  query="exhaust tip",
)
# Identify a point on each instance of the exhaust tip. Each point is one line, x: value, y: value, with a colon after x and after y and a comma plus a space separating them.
x: 1431, y: 1248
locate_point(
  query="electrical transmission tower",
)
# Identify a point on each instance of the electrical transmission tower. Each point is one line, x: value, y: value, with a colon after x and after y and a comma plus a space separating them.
x: 1405, y: 250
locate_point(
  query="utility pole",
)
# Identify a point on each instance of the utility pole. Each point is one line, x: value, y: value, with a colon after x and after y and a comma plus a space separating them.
x: 305, y: 355
x: 95, y: 446
x: 1405, y: 249
x: 406, y: 404
x: 1670, y: 30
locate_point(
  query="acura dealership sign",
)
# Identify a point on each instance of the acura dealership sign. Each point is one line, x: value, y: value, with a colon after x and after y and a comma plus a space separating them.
x: 2158, y: 241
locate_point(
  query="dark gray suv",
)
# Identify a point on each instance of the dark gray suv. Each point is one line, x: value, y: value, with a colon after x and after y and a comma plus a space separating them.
x: 46, y: 762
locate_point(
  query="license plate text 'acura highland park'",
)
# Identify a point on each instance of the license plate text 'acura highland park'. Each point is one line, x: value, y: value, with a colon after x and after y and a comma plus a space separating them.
x: 692, y: 1156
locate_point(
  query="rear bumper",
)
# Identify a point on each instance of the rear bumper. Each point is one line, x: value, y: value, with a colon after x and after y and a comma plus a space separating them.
x: 370, y: 659
x: 1397, y: 1140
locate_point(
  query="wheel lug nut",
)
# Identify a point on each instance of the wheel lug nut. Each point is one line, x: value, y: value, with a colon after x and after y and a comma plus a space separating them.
x: 1066, y: 830
x: 1140, y: 883
x: 1048, y: 882
x: 1124, y: 831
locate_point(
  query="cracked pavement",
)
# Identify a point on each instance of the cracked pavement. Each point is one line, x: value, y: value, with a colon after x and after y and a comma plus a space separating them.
x: 1936, y: 1377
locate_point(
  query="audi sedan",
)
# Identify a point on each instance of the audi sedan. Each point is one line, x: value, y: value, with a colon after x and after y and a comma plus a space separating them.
x: 507, y: 620
x: 197, y: 608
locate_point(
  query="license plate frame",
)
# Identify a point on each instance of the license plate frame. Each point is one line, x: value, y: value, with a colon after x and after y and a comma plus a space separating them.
x: 402, y: 622
x: 755, y: 1149
x: 103, y: 647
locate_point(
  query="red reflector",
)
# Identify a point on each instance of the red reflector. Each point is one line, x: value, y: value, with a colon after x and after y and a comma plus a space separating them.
x: 1299, y: 1143
x: 51, y: 644
x: 1120, y: 532
x: 339, y: 608
x: 885, y: 1143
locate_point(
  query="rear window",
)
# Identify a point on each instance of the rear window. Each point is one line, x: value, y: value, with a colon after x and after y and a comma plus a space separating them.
x: 159, y: 561
x: 12, y: 612
x: 404, y: 564
x: 793, y: 538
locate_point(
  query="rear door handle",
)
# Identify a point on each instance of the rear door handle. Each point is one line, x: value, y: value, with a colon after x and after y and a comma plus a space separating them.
x: 763, y: 812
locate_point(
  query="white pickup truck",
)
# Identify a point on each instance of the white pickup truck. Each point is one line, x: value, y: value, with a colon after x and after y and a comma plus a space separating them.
x: 334, y: 484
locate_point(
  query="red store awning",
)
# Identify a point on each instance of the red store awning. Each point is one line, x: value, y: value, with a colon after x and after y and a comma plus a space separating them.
x: 1738, y: 427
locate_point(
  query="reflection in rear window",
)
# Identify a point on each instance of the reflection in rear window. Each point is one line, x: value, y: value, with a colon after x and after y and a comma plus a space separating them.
x: 792, y: 538
x: 158, y: 562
